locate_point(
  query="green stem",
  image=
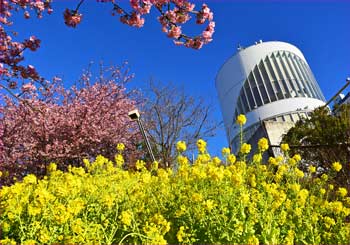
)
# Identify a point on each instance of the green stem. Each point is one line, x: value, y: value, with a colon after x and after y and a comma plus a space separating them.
x: 241, y: 135
x: 131, y: 234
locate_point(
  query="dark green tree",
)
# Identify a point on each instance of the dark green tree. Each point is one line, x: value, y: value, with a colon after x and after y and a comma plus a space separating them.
x: 323, y: 139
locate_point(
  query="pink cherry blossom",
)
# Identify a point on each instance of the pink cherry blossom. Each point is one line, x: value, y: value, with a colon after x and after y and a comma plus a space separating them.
x: 174, y: 32
x: 173, y: 14
x: 133, y: 20
x: 28, y: 87
x: 71, y: 18
x: 66, y: 125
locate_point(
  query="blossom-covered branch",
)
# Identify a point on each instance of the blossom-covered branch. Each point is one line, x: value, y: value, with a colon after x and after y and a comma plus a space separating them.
x: 173, y: 14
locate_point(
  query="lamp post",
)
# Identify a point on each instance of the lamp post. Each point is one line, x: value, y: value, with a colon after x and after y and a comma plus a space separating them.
x: 347, y: 83
x: 135, y: 116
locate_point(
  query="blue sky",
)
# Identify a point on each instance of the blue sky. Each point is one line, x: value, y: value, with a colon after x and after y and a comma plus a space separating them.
x: 320, y: 29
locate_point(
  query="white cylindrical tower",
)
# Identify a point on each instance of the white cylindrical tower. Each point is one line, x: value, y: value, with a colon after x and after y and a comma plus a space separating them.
x: 266, y: 81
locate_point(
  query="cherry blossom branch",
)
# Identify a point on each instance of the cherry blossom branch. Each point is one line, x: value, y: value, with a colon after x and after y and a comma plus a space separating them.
x: 80, y: 3
x: 18, y: 97
x: 173, y: 14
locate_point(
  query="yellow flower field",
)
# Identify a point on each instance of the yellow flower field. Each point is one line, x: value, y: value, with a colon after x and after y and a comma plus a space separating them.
x: 212, y: 201
x: 227, y: 200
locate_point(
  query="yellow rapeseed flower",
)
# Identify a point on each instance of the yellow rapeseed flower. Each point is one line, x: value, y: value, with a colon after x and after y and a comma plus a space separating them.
x: 181, y: 146
x: 285, y: 147
x: 241, y: 119
x: 347, y: 201
x: 257, y: 158
x: 298, y: 212
x: 181, y: 234
x: 263, y: 144
x: 245, y: 148
x: 336, y: 166
x: 8, y: 241
x: 203, y: 158
x: 197, y: 197
x: 52, y: 167
x: 312, y: 169
x: 209, y: 204
x: 342, y: 192
x: 140, y: 164
x: 336, y: 207
x: 216, y: 161
x: 302, y: 196
x: 44, y: 237
x: 126, y: 217
x: 253, y: 240
x: 30, y: 179
x: 29, y: 242
x: 279, y: 159
x: 119, y: 160
x: 294, y: 187
x: 201, y: 145
x: 86, y: 163
x: 289, y: 239
x: 324, y: 177
x: 273, y: 161
x: 120, y: 147
x: 182, y: 160
x: 77, y: 226
x: 328, y: 222
x: 155, y: 165
x: 33, y: 210
x: 225, y: 151
x: 237, y: 178
x: 262, y: 167
x: 5, y: 227
x: 252, y: 180
x: 231, y: 158
x: 292, y: 162
x: 299, y: 173
x: 297, y: 157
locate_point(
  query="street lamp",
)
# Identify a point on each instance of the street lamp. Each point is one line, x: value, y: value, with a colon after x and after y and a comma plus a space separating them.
x: 347, y: 83
x: 135, y: 116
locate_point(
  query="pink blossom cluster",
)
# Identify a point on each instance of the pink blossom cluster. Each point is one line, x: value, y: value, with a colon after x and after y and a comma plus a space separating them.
x: 142, y: 7
x: 32, y: 43
x: 66, y: 125
x: 204, y: 14
x: 11, y: 51
x: 29, y: 72
x: 28, y: 87
x: 133, y: 19
x: 3, y: 71
x: 72, y: 18
x: 11, y: 54
x: 38, y: 6
x: 173, y: 14
x: 171, y: 20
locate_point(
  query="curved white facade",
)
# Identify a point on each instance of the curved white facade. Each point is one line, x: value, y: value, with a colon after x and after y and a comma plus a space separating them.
x: 266, y: 81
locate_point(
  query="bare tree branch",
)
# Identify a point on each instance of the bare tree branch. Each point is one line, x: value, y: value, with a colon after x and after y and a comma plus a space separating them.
x: 171, y: 115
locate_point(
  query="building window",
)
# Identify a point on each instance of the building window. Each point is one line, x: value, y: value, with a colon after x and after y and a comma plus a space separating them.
x: 278, y: 76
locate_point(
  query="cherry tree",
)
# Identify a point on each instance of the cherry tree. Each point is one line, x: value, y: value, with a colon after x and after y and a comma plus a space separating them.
x: 66, y: 125
x: 172, y: 15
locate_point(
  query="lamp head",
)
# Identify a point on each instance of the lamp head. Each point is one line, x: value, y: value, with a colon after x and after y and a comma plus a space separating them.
x: 134, y: 115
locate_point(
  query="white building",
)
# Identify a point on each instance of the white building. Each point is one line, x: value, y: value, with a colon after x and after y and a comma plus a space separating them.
x: 268, y: 82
